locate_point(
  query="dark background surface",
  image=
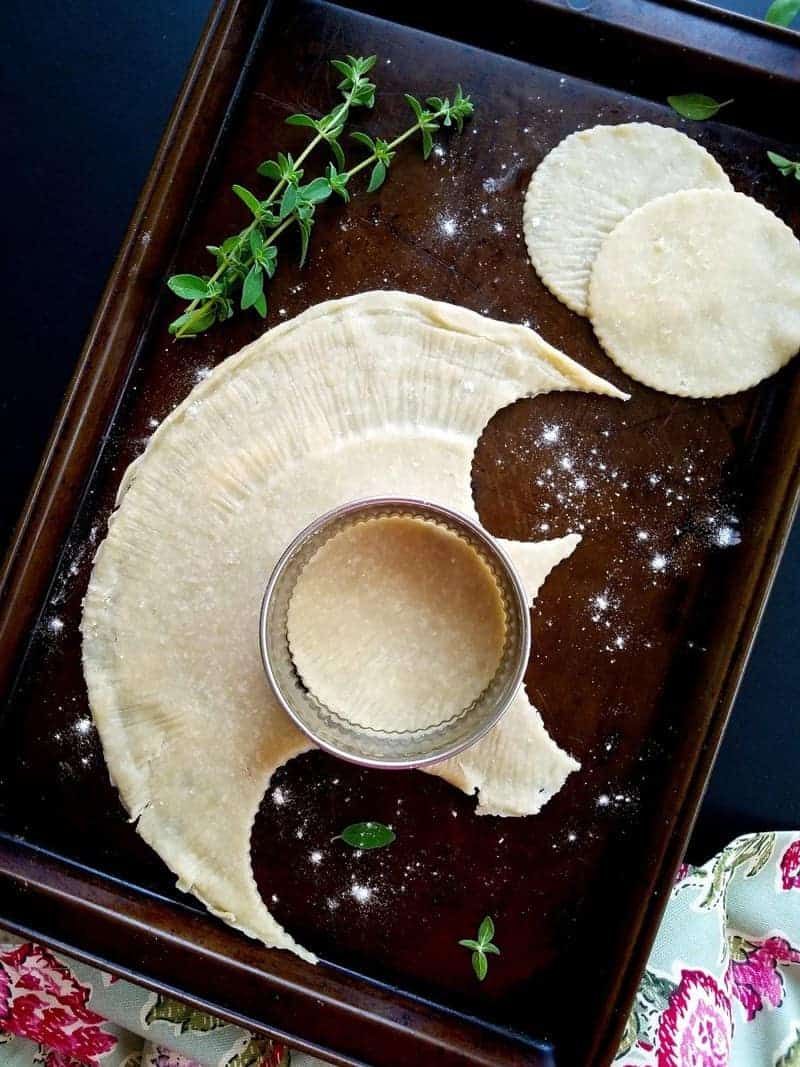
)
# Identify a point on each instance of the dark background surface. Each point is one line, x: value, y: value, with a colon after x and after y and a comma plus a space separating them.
x: 86, y: 89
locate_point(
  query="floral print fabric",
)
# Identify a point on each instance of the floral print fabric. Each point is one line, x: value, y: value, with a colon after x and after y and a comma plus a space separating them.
x: 721, y: 989
x: 722, y: 986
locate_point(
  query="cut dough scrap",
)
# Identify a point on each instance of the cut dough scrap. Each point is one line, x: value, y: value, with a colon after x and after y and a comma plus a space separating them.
x: 590, y: 182
x: 378, y: 394
x: 698, y: 293
x: 396, y: 624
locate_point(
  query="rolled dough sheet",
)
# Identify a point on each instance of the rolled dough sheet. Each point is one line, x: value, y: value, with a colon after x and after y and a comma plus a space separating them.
x: 384, y: 393
x: 592, y: 180
x: 396, y: 624
x: 698, y: 293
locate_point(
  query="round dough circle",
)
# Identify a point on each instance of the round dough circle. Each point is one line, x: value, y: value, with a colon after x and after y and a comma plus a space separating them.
x: 396, y: 624
x: 698, y: 293
x: 590, y: 182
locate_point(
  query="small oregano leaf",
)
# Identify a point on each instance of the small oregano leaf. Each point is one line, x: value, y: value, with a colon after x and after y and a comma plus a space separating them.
x: 480, y: 965
x: 782, y: 12
x: 696, y: 106
x: 367, y: 835
x: 188, y: 286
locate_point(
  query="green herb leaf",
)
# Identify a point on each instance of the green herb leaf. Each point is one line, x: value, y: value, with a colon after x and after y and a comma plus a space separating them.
x: 338, y: 154
x: 316, y: 191
x: 256, y: 242
x: 269, y: 259
x: 247, y: 197
x: 480, y: 965
x: 787, y: 167
x: 192, y: 323
x: 367, y: 835
x: 365, y: 139
x: 302, y: 120
x: 427, y: 143
x: 469, y: 943
x: 188, y: 286
x: 696, y: 106
x: 261, y: 306
x: 377, y: 178
x: 782, y: 12
x: 269, y: 169
x: 305, y: 222
x: 253, y: 286
x: 338, y: 182
x: 288, y: 201
x: 486, y: 931
x: 415, y: 106
x: 492, y: 949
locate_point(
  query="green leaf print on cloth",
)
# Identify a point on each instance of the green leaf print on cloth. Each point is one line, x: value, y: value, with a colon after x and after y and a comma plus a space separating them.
x: 754, y: 850
x: 167, y: 1010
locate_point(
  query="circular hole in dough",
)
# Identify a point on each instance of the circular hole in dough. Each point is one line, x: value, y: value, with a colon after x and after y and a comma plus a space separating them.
x: 591, y: 181
x: 698, y: 293
x: 396, y: 624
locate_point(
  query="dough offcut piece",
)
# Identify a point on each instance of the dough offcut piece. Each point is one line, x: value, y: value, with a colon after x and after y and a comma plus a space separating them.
x: 590, y: 182
x: 698, y: 293
x: 376, y: 394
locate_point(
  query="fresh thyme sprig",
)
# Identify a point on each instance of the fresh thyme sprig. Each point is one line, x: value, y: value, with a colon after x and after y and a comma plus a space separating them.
x: 249, y: 259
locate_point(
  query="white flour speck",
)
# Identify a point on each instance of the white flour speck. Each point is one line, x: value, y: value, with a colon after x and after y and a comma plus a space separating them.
x: 498, y: 227
x: 658, y: 562
x: 55, y: 625
x: 83, y: 726
x: 201, y: 373
x: 447, y: 225
x: 642, y: 535
x: 152, y: 423
x: 361, y: 893
x: 603, y: 800
x: 316, y: 858
x: 279, y: 797
x: 551, y: 434
x: 724, y: 537
x: 601, y: 602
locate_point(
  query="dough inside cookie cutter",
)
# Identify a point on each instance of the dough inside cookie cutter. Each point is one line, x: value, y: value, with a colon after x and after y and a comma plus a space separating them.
x: 387, y: 748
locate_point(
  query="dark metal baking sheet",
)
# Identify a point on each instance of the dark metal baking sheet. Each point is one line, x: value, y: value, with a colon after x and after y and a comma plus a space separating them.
x: 638, y: 689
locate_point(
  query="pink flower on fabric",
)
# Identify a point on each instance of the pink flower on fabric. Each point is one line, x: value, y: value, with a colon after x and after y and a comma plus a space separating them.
x: 756, y: 981
x: 696, y: 1029
x: 790, y: 866
x: 42, y: 1000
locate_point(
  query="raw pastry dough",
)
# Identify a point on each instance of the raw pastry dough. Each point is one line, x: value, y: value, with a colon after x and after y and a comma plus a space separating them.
x: 381, y: 393
x: 592, y: 180
x: 698, y: 293
x: 396, y: 624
